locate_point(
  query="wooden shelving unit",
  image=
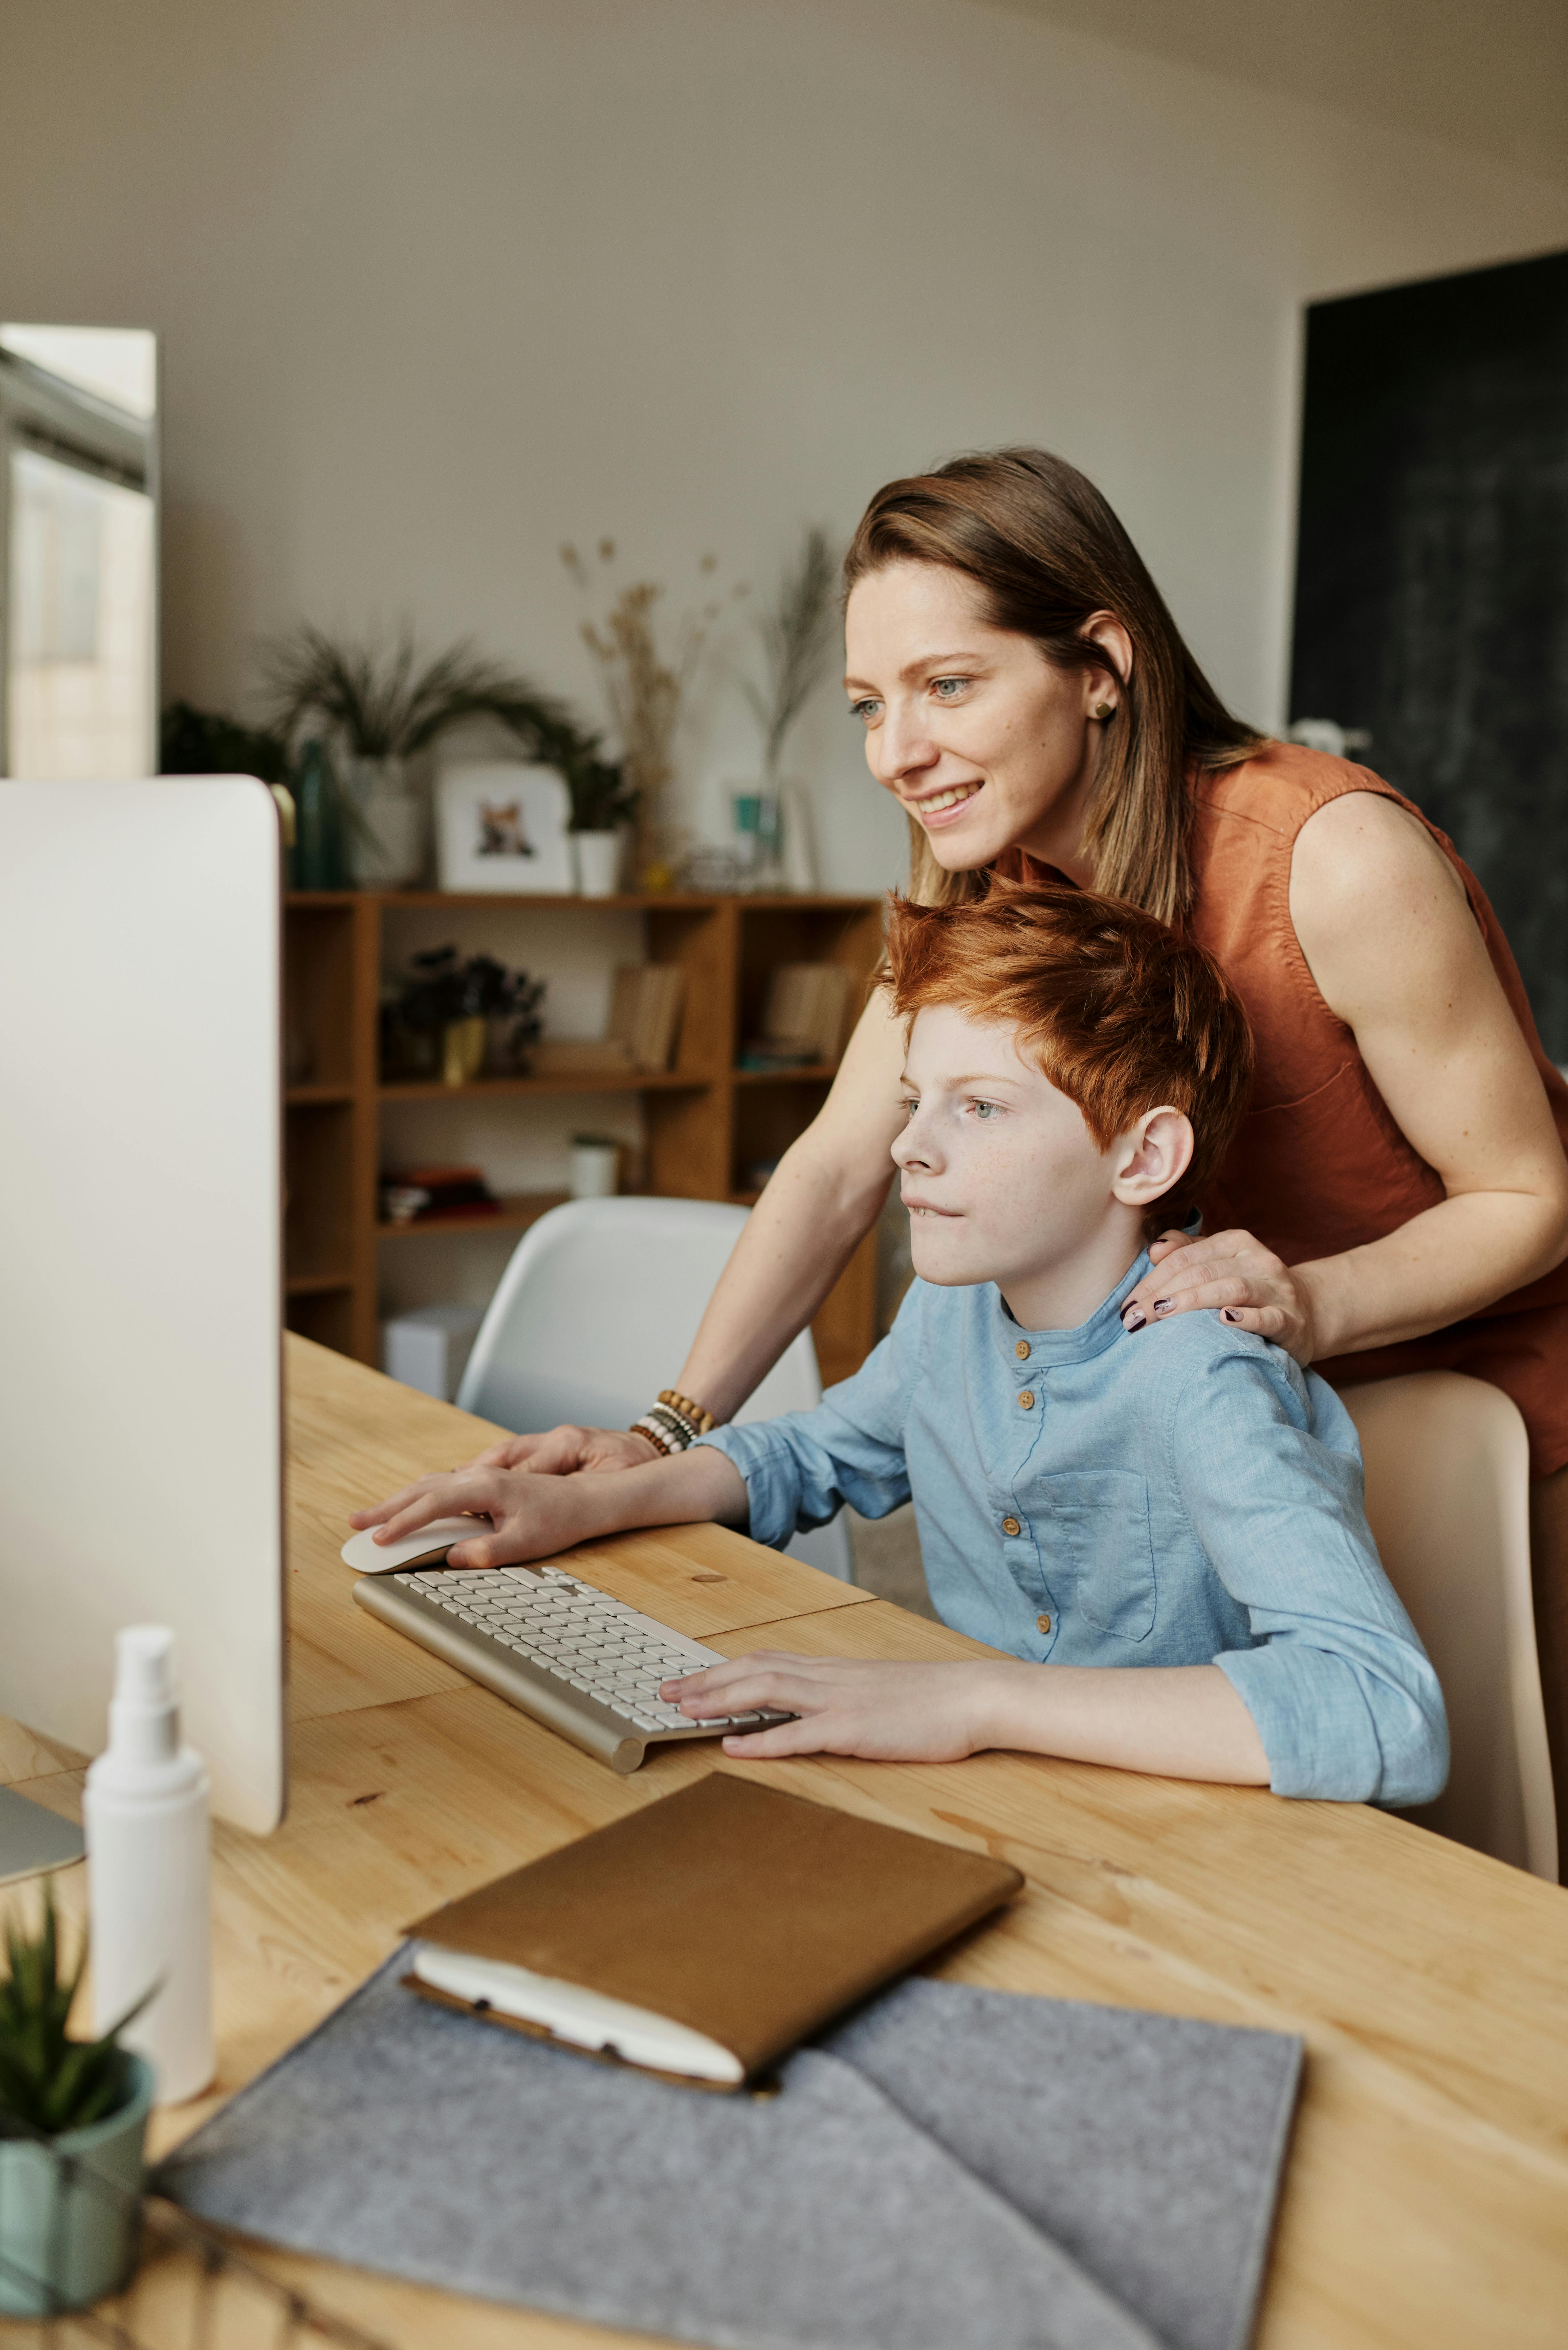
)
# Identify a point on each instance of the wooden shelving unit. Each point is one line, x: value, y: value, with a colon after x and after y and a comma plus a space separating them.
x: 706, y: 1122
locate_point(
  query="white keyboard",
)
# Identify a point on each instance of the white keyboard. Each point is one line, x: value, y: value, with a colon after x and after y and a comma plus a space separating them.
x: 576, y: 1660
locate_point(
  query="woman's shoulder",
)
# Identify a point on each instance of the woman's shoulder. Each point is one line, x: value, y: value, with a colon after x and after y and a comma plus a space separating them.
x: 1280, y: 786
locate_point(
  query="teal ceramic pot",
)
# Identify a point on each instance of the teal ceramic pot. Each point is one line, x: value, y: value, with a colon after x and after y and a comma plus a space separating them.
x: 67, y: 2239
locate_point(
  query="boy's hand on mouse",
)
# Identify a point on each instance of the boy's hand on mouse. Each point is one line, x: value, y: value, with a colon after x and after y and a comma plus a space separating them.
x: 884, y: 1711
x: 530, y: 1517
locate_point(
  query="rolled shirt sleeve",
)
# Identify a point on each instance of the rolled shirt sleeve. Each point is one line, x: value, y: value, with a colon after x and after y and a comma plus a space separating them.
x: 801, y: 1468
x: 1269, y: 1471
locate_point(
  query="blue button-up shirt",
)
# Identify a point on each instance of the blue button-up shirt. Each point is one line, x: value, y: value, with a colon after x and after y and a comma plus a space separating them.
x: 1185, y: 1495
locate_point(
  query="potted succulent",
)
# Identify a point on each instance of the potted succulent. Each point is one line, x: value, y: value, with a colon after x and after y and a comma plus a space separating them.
x: 73, y: 2119
x: 379, y: 704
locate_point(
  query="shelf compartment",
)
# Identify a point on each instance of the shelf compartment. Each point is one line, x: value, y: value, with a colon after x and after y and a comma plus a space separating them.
x: 518, y: 1211
x: 318, y: 997
x: 324, y: 1315
x: 317, y: 1285
x: 317, y: 1147
x: 317, y: 1097
x: 817, y: 1072
x: 588, y: 1081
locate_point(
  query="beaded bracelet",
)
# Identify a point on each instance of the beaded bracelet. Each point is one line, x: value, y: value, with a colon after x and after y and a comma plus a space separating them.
x: 702, y: 1421
x: 660, y: 1443
x: 673, y: 1424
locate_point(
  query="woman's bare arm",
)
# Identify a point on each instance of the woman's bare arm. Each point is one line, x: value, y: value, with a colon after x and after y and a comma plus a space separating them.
x: 1396, y: 952
x: 823, y: 1199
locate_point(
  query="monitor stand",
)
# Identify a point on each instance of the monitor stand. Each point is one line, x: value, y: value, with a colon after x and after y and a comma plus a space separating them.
x: 32, y: 1839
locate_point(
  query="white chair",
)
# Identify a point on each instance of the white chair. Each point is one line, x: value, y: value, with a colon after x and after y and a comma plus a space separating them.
x: 1448, y: 1497
x: 595, y: 1313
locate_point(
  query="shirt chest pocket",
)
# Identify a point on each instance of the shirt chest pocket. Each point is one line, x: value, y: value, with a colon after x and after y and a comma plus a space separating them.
x: 1099, y: 1524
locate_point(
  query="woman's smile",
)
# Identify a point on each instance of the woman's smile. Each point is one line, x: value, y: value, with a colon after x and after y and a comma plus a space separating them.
x: 934, y: 806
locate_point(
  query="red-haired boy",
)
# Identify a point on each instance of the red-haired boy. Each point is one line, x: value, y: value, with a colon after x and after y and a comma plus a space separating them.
x: 1166, y: 1532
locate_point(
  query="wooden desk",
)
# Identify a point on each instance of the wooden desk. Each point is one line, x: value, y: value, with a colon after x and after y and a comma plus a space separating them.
x: 1427, y: 2196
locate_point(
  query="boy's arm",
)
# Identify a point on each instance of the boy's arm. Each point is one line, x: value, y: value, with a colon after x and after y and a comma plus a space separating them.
x: 1181, y: 1721
x: 535, y: 1517
x: 1344, y: 1699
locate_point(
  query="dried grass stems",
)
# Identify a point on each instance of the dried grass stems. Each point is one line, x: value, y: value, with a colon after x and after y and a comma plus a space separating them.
x: 644, y: 688
x: 797, y: 634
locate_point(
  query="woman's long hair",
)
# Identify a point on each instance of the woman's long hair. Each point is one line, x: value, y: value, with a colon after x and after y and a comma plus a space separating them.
x: 1048, y: 553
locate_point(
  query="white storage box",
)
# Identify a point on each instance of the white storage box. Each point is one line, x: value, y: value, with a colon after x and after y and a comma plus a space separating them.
x: 429, y: 1348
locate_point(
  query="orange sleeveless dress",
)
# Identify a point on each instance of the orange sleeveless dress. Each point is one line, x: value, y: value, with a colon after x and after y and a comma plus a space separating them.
x: 1320, y: 1166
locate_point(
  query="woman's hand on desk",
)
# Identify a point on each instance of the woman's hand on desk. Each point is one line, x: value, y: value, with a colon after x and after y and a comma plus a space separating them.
x: 886, y: 1713
x: 564, y: 1451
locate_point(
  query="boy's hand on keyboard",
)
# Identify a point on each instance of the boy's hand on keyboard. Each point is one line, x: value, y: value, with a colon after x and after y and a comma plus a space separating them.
x: 886, y: 1713
x: 529, y: 1517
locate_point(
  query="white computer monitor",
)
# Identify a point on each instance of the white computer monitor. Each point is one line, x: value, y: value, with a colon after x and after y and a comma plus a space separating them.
x: 141, y: 1273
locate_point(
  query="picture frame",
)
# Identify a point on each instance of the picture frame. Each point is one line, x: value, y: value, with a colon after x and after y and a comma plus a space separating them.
x: 501, y: 825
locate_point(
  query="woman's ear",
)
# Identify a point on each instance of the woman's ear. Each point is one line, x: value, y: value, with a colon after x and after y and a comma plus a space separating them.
x: 1151, y: 1156
x: 1105, y: 632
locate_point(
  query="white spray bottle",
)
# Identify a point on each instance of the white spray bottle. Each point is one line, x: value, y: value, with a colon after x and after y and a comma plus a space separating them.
x: 145, y: 1811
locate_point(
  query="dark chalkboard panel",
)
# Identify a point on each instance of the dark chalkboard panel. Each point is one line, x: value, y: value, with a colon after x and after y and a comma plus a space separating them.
x: 1432, y: 577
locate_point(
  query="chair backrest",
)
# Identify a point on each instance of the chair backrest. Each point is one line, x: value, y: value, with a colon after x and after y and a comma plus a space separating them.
x: 1448, y: 1497
x: 595, y: 1313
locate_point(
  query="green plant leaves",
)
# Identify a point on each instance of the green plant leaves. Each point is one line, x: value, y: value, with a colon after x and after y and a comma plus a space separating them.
x: 47, y: 2081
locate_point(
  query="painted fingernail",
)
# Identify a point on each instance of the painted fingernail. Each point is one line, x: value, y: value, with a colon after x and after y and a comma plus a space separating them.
x: 1226, y: 1315
x: 1132, y: 1319
x: 1162, y: 1304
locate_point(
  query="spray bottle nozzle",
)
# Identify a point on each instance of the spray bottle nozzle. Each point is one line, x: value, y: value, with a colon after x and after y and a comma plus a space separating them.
x: 143, y: 1718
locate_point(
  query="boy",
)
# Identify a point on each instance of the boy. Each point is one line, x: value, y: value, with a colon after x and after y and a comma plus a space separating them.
x: 1172, y: 1523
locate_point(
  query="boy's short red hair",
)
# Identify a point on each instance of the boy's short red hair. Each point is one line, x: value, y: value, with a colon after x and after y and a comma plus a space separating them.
x: 1120, y: 1013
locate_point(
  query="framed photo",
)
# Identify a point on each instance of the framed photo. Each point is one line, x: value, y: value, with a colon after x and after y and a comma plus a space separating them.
x: 502, y: 826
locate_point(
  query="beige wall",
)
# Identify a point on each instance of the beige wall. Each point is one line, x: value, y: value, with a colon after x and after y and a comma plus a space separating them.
x: 441, y: 283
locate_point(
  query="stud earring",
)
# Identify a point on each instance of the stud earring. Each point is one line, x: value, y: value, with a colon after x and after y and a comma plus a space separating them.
x: 1104, y: 710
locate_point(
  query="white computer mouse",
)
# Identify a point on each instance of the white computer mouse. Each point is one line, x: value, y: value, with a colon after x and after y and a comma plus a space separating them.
x: 366, y: 1555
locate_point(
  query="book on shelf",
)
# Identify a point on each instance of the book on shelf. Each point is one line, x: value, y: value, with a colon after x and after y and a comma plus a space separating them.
x: 646, y: 1004
x: 803, y: 1017
x: 412, y: 1195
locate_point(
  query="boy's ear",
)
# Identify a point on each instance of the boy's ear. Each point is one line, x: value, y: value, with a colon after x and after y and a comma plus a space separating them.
x: 1151, y: 1157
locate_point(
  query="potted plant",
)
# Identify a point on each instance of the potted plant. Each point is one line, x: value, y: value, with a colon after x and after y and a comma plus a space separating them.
x: 73, y: 2119
x: 603, y: 804
x: 797, y: 634
x: 459, y: 1017
x: 380, y: 704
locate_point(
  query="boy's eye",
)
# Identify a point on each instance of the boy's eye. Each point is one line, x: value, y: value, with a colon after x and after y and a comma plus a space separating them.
x: 865, y: 711
x: 947, y: 689
x: 985, y: 1109
x: 911, y: 1104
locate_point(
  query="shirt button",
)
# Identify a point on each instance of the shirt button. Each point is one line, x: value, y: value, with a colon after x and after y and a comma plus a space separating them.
x: 1043, y: 1623
x: 1026, y: 1400
x: 1011, y: 1526
x: 1021, y: 1351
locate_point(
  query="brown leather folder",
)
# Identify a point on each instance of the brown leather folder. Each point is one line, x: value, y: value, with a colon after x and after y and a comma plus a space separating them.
x: 743, y: 1914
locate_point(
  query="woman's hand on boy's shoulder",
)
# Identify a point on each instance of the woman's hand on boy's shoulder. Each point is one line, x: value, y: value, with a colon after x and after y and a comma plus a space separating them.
x: 1235, y: 1274
x: 883, y: 1712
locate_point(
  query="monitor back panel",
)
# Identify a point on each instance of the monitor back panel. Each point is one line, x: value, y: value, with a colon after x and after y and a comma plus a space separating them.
x: 141, y: 1276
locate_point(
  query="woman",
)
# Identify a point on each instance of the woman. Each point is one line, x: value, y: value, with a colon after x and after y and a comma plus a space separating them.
x: 1398, y: 1197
